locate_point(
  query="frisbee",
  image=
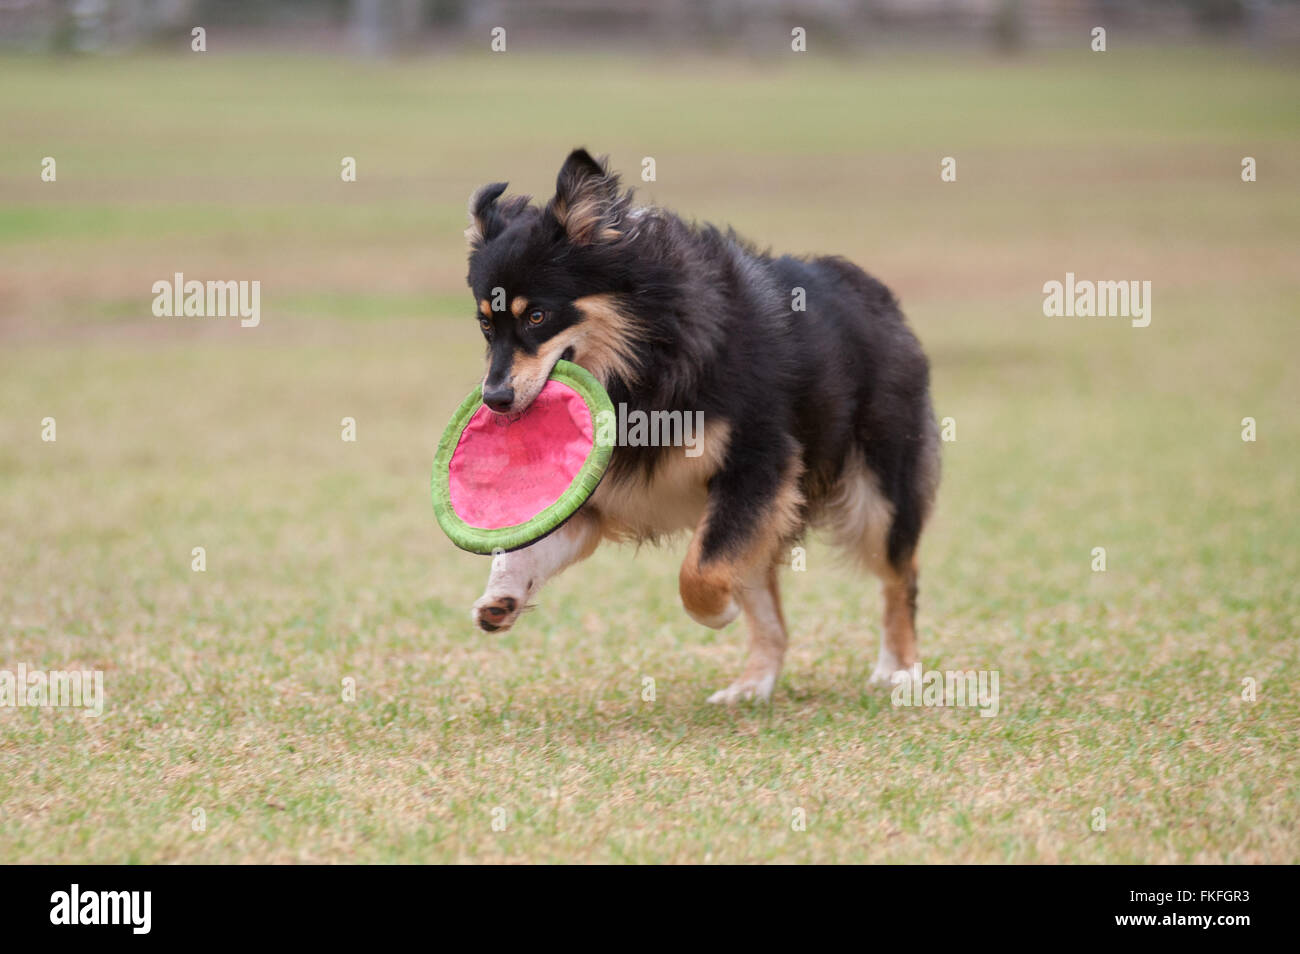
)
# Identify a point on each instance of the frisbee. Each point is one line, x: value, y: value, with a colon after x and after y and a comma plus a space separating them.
x: 501, y: 483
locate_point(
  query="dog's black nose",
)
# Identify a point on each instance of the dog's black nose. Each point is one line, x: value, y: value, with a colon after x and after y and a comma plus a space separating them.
x: 499, y: 399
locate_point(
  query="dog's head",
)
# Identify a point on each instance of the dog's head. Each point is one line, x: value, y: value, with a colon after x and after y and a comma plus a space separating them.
x: 547, y: 281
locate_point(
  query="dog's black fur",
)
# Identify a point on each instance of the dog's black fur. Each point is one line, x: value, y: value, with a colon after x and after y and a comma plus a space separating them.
x: 711, y: 328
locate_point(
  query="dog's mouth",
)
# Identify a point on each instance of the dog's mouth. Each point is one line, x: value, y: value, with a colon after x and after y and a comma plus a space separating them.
x: 519, y: 410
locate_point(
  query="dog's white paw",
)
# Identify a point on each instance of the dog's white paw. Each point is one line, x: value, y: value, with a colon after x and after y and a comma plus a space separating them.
x: 496, y: 614
x: 756, y: 688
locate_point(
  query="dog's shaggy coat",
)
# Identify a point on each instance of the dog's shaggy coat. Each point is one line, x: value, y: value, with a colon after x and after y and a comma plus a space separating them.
x: 812, y: 415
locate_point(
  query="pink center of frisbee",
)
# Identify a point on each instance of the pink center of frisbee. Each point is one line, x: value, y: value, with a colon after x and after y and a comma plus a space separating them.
x: 504, y: 473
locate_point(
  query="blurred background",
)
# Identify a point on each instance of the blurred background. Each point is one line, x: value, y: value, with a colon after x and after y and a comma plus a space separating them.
x: 378, y: 27
x: 323, y: 557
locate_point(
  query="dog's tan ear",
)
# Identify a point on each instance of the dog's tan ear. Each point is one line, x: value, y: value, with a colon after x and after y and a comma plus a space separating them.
x: 488, y: 217
x: 587, y: 203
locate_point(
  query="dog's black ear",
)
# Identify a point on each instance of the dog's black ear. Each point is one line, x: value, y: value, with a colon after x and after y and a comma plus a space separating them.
x: 587, y: 203
x: 487, y: 217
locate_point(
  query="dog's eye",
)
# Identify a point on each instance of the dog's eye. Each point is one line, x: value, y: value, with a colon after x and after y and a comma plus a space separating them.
x: 536, y: 316
x: 485, y: 325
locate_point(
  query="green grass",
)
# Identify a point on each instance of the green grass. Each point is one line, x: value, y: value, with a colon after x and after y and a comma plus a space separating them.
x: 1119, y: 690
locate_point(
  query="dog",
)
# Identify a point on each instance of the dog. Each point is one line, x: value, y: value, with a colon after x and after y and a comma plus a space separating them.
x: 817, y: 415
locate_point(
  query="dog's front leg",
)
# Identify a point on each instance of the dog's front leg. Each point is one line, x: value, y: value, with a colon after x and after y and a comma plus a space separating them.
x: 730, y: 568
x: 517, y: 576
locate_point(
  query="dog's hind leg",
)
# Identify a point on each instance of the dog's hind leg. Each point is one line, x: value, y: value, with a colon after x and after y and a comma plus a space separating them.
x: 898, y: 653
x: 517, y: 576
x: 865, y: 523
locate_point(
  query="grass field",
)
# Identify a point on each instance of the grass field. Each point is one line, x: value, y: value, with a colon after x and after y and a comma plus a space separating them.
x: 1120, y: 690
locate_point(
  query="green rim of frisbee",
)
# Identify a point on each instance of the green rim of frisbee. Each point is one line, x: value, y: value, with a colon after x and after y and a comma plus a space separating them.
x: 503, y: 539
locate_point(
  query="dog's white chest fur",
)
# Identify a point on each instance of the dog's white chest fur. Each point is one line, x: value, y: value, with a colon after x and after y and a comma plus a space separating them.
x: 640, y: 510
x: 673, y: 499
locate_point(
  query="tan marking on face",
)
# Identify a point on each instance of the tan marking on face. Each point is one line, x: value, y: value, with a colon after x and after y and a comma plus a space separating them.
x: 485, y: 307
x: 529, y: 372
x: 608, y: 335
x: 602, y: 343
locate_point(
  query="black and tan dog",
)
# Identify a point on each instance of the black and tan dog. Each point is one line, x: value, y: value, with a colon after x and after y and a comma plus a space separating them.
x: 813, y: 416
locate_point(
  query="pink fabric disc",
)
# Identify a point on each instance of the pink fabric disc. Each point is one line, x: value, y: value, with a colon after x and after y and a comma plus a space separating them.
x: 504, y: 473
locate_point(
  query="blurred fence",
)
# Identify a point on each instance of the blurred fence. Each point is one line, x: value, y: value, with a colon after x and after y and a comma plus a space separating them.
x: 385, y: 27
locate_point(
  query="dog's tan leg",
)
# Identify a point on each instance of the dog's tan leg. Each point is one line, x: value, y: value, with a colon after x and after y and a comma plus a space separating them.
x: 708, y: 587
x: 718, y: 584
x: 898, y: 638
x: 861, y: 517
x: 517, y: 576
x: 760, y: 600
